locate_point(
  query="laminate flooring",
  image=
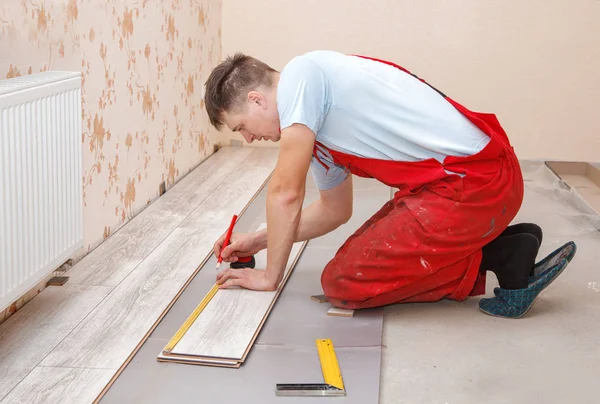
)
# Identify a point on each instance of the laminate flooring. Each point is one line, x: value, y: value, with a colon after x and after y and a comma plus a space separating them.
x: 31, y: 333
x: 80, y: 334
x: 60, y: 385
x: 228, y: 324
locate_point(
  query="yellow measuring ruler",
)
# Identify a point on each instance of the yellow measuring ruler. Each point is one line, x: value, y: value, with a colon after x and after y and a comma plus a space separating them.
x: 190, y: 320
x: 332, y: 375
x: 329, y: 364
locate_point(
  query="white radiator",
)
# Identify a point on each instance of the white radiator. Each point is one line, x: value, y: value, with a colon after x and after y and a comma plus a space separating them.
x: 41, y: 201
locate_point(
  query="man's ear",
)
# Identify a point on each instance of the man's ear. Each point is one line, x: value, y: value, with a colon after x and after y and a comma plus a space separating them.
x: 257, y: 98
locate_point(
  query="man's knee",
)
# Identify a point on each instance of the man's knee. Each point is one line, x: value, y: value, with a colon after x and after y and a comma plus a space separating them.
x: 336, y: 288
x: 329, y: 279
x: 338, y: 285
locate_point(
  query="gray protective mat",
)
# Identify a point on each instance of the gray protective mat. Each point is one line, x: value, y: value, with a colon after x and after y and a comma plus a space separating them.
x: 285, y: 350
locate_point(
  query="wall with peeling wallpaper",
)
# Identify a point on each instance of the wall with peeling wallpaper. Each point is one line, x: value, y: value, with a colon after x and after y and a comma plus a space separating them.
x: 144, y: 64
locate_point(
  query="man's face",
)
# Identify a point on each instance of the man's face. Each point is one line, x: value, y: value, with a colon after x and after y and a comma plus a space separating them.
x: 257, y: 120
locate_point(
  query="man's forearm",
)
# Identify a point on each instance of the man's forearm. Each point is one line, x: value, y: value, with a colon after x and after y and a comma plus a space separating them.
x: 316, y: 220
x: 283, y: 218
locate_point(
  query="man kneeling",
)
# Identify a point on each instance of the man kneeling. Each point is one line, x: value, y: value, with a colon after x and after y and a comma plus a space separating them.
x: 458, y: 181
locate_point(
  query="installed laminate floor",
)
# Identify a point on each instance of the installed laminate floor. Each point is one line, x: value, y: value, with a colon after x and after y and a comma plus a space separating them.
x: 30, y: 334
x: 60, y: 385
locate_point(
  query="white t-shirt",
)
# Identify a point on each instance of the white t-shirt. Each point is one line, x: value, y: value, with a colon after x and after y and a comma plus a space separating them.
x: 369, y: 109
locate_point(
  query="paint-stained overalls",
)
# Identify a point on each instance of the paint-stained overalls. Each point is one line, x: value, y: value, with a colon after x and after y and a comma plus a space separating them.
x: 425, y: 244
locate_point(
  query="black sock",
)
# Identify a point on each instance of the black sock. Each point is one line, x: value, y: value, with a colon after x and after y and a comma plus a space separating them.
x: 529, y: 228
x: 511, y: 258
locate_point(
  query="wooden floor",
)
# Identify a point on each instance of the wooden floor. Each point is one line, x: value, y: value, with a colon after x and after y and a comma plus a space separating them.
x: 68, y: 342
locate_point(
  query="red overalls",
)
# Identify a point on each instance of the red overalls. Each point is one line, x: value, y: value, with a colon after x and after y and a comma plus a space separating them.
x: 425, y: 244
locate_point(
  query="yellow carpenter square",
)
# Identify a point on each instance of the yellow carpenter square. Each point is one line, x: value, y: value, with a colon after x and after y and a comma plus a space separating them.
x: 188, y: 323
x: 329, y: 363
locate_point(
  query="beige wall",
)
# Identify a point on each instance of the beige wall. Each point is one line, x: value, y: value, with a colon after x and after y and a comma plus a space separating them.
x: 144, y: 64
x: 535, y: 63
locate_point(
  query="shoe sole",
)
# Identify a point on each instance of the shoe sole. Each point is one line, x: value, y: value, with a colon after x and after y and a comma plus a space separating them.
x: 538, y: 295
x: 569, y: 257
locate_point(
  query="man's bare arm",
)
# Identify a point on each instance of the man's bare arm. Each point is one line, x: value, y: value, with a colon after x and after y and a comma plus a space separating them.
x: 332, y: 210
x: 285, y: 196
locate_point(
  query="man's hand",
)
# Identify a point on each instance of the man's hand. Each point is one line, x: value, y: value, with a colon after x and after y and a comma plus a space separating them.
x: 248, y: 278
x: 241, y: 245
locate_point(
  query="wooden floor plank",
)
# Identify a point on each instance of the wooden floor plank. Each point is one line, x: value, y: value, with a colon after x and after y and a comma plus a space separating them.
x: 117, y: 256
x: 59, y: 385
x: 227, y: 325
x: 106, y: 338
x: 32, y: 332
x: 336, y: 311
x: 195, y: 360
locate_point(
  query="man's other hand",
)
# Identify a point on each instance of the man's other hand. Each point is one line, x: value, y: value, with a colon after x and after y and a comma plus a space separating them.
x: 247, y: 278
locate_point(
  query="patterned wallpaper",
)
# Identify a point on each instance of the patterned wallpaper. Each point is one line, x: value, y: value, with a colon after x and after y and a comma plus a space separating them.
x: 144, y: 64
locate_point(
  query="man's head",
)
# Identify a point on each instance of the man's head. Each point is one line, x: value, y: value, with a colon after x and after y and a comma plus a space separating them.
x: 241, y: 93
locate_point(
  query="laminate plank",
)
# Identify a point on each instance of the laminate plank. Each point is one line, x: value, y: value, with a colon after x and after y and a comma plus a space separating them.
x: 235, y: 363
x: 107, y: 337
x: 319, y: 298
x: 32, y: 332
x: 195, y: 360
x: 117, y: 256
x: 229, y: 322
x: 224, y: 362
x: 337, y: 312
x: 59, y: 385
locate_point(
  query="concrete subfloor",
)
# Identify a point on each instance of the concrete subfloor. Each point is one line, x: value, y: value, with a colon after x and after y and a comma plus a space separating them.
x: 450, y: 352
